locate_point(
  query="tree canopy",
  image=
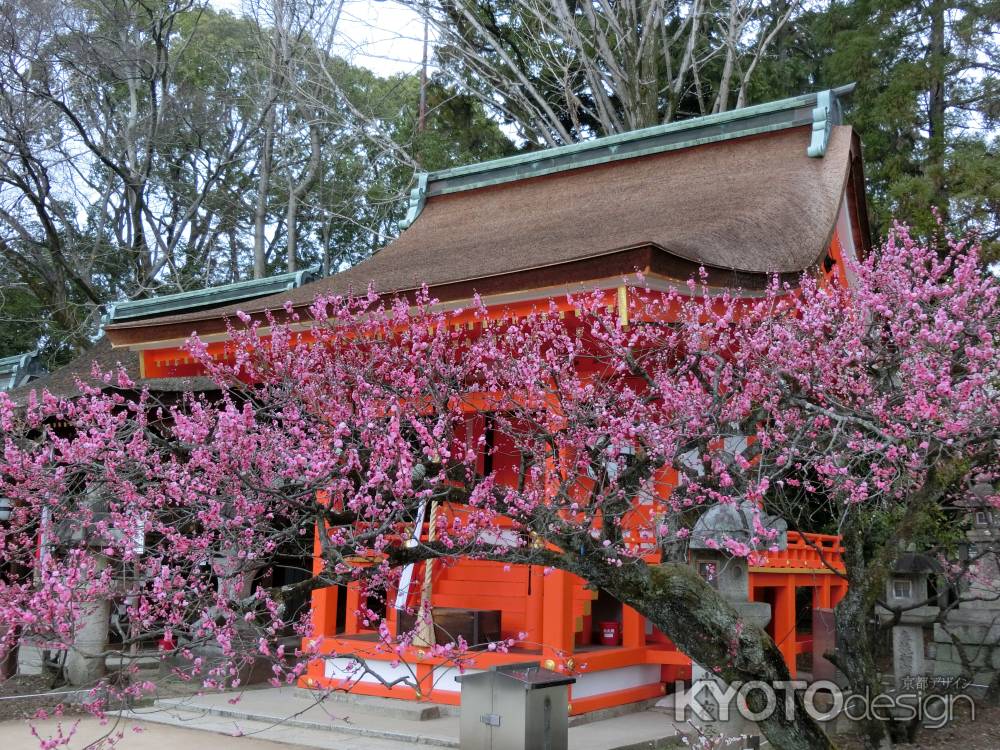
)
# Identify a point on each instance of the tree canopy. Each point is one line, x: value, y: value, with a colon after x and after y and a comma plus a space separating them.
x: 155, y: 148
x: 133, y: 139
x: 611, y: 436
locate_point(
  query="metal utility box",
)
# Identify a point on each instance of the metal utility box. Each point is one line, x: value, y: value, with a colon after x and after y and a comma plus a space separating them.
x: 515, y: 707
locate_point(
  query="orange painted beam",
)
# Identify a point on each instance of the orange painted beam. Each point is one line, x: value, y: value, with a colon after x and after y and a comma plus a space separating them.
x: 617, y: 698
x: 666, y: 657
x: 811, y: 552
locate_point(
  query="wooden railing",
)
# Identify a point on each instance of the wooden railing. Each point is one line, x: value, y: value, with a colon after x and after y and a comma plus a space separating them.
x: 808, y: 552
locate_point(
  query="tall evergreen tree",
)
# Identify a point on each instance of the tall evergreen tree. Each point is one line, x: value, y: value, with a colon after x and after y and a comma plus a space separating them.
x: 927, y: 106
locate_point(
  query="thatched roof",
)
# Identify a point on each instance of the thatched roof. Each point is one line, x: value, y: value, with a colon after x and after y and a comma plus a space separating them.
x: 744, y: 194
x: 756, y: 205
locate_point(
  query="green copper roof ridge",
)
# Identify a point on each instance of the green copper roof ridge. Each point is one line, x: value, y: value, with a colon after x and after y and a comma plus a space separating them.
x: 13, y: 359
x: 823, y: 113
x: 233, y: 292
x: 17, y: 369
x: 744, y: 113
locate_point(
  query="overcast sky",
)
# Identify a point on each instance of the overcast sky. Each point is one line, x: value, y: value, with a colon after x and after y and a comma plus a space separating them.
x: 381, y: 35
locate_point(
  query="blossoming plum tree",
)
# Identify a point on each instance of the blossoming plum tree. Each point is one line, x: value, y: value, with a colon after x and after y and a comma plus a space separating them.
x: 873, y: 398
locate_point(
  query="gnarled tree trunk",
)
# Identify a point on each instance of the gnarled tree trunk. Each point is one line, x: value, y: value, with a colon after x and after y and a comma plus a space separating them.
x: 674, y: 598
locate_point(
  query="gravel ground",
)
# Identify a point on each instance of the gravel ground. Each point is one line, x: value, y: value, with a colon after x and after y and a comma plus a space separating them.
x: 963, y: 733
x: 14, y: 706
x: 136, y: 735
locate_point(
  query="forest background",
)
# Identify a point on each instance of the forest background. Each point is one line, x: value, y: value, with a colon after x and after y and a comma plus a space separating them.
x: 157, y: 146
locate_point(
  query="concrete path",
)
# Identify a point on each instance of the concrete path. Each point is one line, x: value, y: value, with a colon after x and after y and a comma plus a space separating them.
x: 292, y: 715
x: 348, y: 722
x: 286, y: 718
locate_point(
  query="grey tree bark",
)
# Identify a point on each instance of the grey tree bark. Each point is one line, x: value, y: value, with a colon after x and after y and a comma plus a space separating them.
x: 621, y: 66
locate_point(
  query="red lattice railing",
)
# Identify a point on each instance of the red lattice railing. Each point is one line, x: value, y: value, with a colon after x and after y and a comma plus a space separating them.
x: 808, y: 551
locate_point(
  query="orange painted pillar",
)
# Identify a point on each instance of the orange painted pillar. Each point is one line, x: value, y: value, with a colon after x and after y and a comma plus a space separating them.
x: 324, y: 622
x: 783, y: 619
x: 534, y: 614
x: 557, y: 625
x: 633, y: 628
x: 323, y: 611
x: 352, y: 603
x: 557, y: 620
x: 821, y: 594
x: 838, y: 592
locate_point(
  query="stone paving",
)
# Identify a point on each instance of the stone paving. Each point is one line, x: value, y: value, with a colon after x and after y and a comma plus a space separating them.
x: 282, y: 717
x: 293, y: 716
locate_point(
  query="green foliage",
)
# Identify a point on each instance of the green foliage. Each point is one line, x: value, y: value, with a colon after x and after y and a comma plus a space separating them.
x: 25, y: 325
x: 458, y: 130
x: 21, y: 324
x: 365, y: 176
x: 132, y: 157
x: 922, y: 152
x: 936, y: 528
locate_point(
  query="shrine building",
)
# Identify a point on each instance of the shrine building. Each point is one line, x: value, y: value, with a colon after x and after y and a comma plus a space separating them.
x: 776, y: 188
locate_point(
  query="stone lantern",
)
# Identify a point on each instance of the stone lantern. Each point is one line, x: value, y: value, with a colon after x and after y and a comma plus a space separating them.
x: 730, y: 576
x: 907, y: 588
x: 86, y: 655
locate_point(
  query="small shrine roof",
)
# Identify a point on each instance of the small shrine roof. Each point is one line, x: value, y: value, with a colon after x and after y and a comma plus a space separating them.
x: 18, y: 369
x: 63, y: 381
x: 207, y: 298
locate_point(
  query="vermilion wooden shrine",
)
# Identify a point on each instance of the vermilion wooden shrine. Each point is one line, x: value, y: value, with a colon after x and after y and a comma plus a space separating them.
x: 776, y: 188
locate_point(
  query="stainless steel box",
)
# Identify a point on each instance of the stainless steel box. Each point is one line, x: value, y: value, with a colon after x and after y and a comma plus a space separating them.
x: 515, y: 707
